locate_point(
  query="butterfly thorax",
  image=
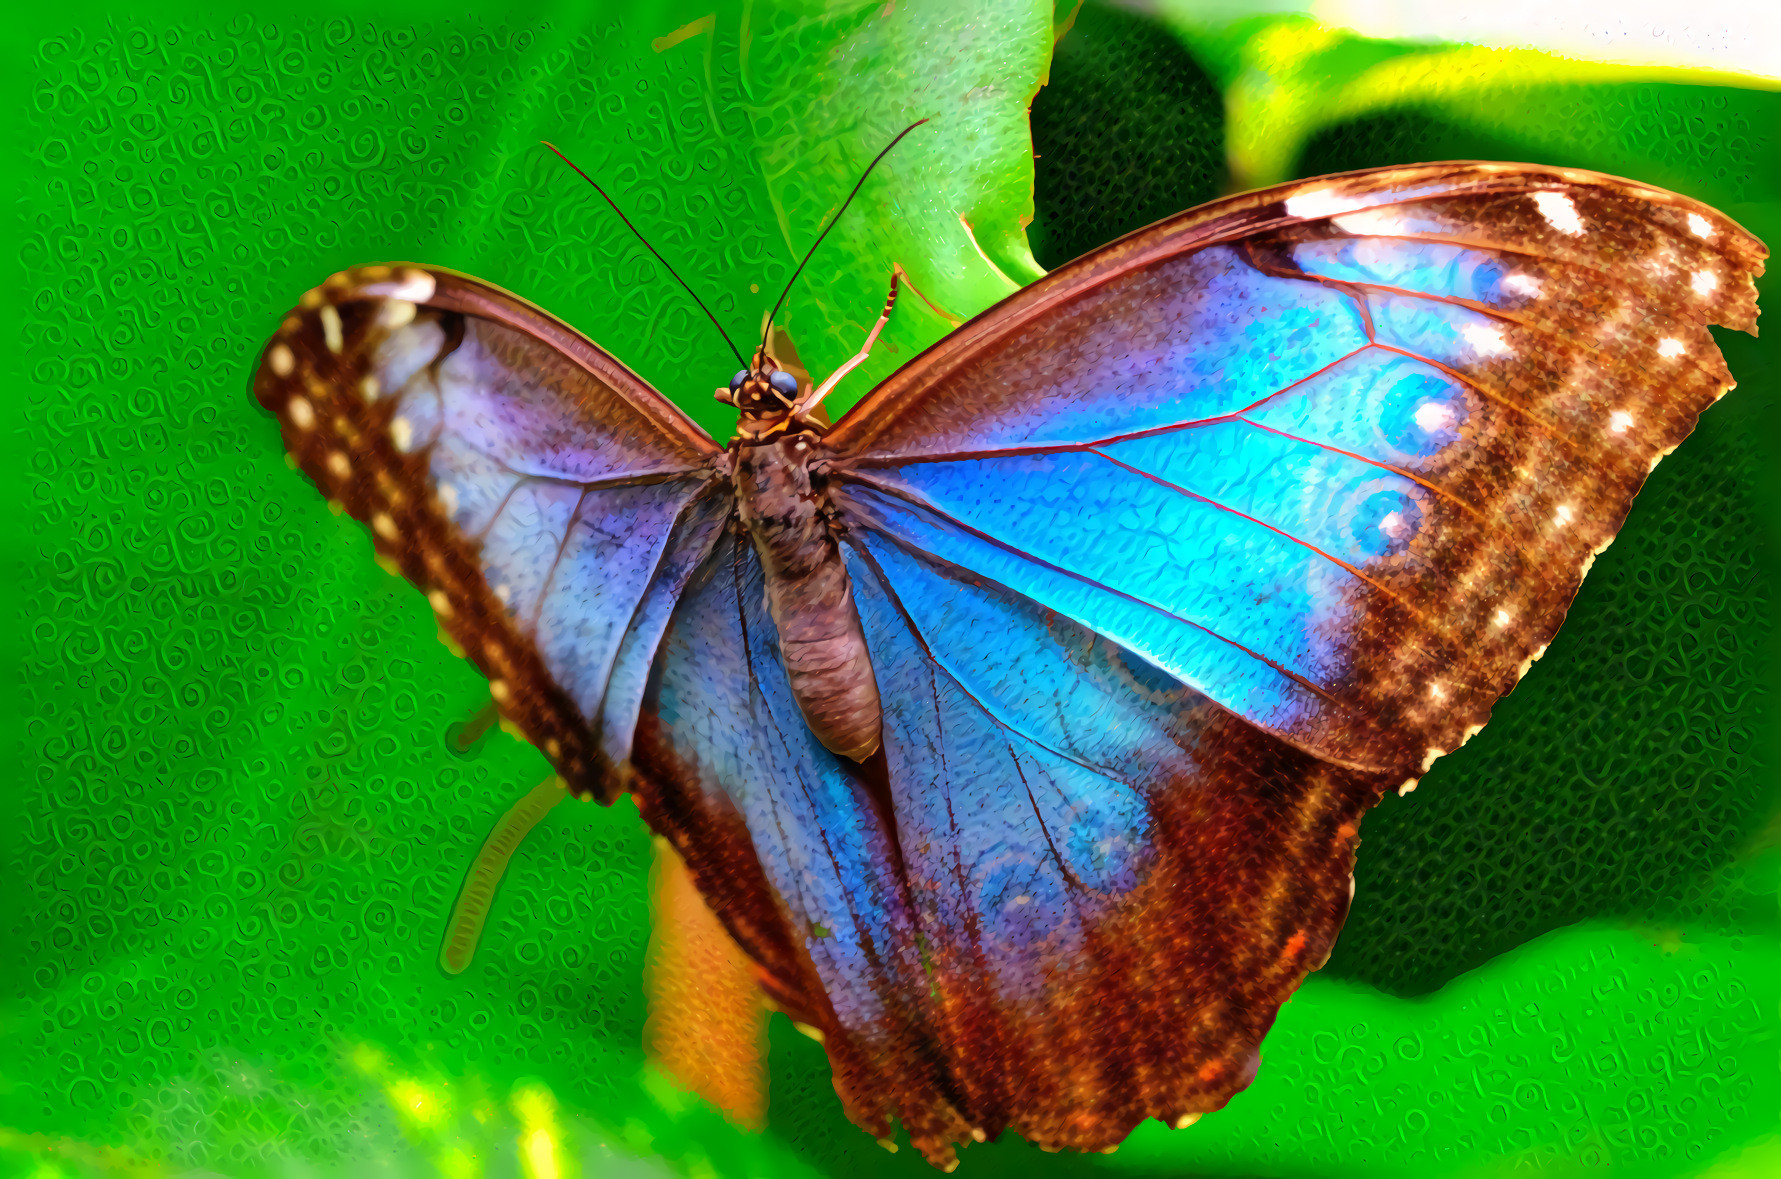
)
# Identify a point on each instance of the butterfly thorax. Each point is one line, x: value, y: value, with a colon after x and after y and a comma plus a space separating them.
x: 809, y: 594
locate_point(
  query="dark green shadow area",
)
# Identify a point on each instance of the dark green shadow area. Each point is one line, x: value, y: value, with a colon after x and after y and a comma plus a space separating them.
x: 1128, y: 131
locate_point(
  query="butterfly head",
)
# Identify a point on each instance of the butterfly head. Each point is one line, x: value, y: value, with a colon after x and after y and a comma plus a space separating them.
x: 767, y: 394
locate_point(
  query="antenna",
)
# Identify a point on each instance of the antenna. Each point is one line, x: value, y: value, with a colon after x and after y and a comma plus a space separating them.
x: 765, y: 331
x: 657, y: 253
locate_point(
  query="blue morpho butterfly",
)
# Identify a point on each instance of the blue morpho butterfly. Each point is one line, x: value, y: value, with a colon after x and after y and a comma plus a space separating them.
x: 1019, y: 726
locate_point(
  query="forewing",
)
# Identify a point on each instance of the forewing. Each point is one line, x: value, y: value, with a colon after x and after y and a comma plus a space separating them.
x: 548, y: 502
x: 1336, y: 454
x: 1172, y: 563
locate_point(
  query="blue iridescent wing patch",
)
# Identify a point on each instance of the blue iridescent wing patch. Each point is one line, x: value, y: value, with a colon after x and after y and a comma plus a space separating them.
x: 1337, y: 455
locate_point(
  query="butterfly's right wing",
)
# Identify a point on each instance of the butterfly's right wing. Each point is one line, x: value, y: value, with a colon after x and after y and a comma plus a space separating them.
x: 549, y: 503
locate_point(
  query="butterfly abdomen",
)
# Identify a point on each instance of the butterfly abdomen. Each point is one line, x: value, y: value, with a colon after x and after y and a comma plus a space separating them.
x: 809, y: 595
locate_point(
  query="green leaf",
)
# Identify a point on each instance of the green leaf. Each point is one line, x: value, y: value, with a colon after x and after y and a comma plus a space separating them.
x: 1286, y: 78
x: 729, y: 136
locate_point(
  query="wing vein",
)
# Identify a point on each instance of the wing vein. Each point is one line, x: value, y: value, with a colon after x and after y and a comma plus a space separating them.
x: 1281, y: 532
x: 1088, y: 581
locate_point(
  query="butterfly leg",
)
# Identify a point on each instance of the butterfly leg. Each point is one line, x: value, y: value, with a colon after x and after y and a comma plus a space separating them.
x: 803, y: 408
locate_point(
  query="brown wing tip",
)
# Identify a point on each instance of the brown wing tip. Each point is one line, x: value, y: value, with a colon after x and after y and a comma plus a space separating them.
x: 342, y: 430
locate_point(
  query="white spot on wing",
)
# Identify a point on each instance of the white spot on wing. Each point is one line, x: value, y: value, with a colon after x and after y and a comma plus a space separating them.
x: 330, y: 327
x: 370, y: 388
x: 401, y: 432
x: 395, y: 313
x: 1523, y: 284
x: 1560, y: 211
x: 1434, y: 415
x: 281, y: 360
x: 413, y: 286
x: 1437, y: 691
x: 1562, y: 516
x: 448, y: 498
x: 1330, y: 202
x: 1620, y: 421
x: 1704, y: 282
x: 1319, y: 202
x: 302, y: 414
x: 1501, y: 618
x: 1486, y: 339
x: 1670, y: 347
x: 1408, y: 786
x: 1700, y: 226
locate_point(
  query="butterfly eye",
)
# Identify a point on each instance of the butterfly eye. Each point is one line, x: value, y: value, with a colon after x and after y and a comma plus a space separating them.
x: 783, y: 383
x: 736, y: 381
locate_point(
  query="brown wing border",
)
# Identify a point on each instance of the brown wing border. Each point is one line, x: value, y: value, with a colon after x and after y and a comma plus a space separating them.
x: 455, y: 291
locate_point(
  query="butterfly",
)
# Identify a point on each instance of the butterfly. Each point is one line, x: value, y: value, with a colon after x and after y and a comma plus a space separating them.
x: 1020, y: 724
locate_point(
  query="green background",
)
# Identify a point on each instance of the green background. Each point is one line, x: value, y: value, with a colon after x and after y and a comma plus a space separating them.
x: 235, y: 832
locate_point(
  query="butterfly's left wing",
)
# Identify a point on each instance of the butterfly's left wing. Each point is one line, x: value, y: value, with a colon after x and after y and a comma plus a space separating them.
x: 549, y: 503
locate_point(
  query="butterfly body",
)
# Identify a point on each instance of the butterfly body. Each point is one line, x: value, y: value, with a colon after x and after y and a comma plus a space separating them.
x: 1134, y: 593
x: 809, y: 593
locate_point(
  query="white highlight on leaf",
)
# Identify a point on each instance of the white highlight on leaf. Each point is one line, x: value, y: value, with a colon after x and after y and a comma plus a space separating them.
x: 1620, y: 421
x: 1670, y: 347
x: 1700, y: 227
x: 1704, y: 282
x: 1486, y: 339
x: 1523, y: 284
x: 1560, y: 212
x: 1562, y: 516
